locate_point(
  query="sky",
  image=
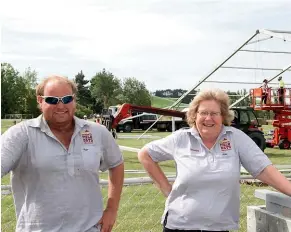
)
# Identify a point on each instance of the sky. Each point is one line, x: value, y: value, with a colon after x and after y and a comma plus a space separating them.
x: 164, y: 43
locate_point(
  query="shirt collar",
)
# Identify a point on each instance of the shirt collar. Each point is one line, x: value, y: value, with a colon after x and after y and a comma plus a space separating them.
x: 193, y: 131
x: 41, y: 123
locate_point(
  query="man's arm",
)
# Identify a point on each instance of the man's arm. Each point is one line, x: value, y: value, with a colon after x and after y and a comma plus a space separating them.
x: 115, y: 183
x: 13, y: 143
x: 112, y: 160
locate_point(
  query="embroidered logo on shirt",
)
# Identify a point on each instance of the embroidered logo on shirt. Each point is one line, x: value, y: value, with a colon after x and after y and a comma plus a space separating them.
x: 225, y: 145
x: 87, y: 137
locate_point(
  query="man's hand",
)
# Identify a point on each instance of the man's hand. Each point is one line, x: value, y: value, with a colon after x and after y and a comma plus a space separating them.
x: 107, y: 220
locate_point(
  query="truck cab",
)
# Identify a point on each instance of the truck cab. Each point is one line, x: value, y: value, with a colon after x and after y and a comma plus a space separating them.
x: 137, y: 121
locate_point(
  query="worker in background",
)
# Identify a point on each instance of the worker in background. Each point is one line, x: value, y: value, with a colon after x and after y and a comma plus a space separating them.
x: 98, y: 119
x: 281, y: 90
x: 265, y: 91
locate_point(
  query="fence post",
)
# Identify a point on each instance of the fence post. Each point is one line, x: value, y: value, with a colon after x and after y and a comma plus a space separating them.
x: 274, y: 216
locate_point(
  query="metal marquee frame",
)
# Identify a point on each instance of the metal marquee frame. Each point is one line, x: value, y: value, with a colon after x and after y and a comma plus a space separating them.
x: 272, y: 34
x: 277, y: 34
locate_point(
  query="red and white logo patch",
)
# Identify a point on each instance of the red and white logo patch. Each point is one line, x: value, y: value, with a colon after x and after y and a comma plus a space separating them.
x: 87, y: 137
x: 225, y: 145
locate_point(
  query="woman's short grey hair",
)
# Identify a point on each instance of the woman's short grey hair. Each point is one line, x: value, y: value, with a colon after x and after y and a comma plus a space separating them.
x: 212, y: 94
x: 41, y: 85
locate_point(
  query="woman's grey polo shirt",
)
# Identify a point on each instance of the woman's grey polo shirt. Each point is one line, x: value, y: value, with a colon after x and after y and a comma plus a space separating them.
x: 206, y: 192
x: 56, y: 189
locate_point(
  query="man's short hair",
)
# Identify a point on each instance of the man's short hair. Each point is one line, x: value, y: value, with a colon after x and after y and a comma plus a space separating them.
x: 40, y: 88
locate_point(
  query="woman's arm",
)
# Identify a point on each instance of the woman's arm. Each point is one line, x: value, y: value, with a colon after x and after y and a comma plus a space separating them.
x: 271, y: 176
x: 155, y: 172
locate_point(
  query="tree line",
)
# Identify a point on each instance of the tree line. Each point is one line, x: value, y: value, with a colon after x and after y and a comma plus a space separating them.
x: 103, y: 90
x: 177, y: 93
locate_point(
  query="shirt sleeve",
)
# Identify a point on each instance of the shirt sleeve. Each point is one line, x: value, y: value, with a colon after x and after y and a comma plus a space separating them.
x: 162, y: 149
x: 112, y: 156
x: 13, y: 143
x: 251, y: 156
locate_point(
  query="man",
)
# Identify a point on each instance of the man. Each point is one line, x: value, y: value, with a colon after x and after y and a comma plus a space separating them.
x: 55, y: 160
x: 281, y: 90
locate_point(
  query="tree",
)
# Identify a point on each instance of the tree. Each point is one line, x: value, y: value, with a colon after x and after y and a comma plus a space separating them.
x: 135, y: 92
x: 18, y: 91
x: 12, y: 90
x: 82, y: 110
x: 30, y: 80
x: 83, y: 95
x: 105, y: 88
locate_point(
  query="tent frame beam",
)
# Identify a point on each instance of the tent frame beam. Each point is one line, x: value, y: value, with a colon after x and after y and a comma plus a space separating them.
x: 264, y: 51
x: 254, y: 68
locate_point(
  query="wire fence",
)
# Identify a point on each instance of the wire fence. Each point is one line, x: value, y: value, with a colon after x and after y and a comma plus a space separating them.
x: 141, y: 205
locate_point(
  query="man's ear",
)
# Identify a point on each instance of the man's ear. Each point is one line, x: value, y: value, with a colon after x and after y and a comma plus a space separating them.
x: 39, y: 99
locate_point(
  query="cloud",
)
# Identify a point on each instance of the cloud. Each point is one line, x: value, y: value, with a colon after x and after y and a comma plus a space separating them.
x: 103, y: 34
x: 167, y: 44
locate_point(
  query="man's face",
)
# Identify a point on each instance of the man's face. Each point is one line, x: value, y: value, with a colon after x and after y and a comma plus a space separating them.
x: 60, y: 112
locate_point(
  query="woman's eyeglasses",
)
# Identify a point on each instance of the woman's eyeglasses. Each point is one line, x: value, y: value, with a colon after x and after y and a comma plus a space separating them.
x: 55, y: 100
x: 212, y: 114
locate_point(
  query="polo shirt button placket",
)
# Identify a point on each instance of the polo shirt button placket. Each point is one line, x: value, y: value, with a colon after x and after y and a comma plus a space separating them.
x: 71, y: 166
x: 212, y: 161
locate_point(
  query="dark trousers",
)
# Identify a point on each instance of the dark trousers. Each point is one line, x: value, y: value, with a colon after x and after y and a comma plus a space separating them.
x: 264, y: 98
x: 281, y: 95
x: 169, y: 230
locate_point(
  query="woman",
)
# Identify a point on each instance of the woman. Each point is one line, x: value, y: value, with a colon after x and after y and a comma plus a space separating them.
x: 206, y: 193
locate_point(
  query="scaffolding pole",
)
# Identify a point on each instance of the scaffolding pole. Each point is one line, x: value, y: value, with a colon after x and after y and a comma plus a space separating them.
x: 264, y: 51
x: 253, y: 68
x: 276, y: 34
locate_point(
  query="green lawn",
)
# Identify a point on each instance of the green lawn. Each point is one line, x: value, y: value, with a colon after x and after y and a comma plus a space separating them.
x: 5, y: 124
x: 141, y: 206
x: 162, y: 102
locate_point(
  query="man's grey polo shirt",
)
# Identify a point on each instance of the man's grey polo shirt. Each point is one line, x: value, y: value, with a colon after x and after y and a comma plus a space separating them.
x: 206, y: 192
x: 56, y: 189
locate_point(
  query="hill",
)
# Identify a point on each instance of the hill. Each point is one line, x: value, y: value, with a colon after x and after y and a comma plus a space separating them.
x: 162, y: 102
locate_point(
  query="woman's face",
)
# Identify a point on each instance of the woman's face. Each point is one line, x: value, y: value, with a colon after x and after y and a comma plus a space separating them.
x: 209, y: 119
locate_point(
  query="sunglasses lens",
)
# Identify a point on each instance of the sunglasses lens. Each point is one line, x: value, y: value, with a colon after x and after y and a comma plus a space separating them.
x: 51, y: 100
x: 67, y: 99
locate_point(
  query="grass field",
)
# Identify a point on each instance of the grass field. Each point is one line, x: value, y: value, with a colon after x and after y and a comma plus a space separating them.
x: 141, y: 206
x: 162, y: 102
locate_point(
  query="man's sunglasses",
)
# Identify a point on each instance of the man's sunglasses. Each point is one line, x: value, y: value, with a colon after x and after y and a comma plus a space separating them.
x: 55, y: 100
